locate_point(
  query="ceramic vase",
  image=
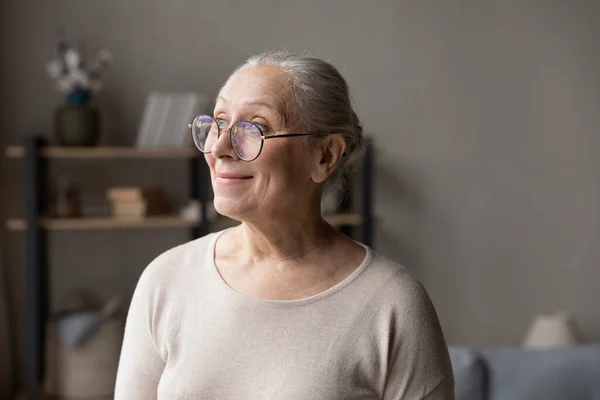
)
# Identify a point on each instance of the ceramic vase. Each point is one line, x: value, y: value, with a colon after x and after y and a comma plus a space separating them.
x: 77, y: 123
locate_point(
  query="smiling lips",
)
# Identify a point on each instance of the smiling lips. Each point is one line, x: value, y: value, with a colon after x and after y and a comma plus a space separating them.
x: 232, y: 178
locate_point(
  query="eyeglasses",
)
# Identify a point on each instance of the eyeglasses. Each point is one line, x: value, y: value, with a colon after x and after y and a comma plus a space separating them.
x: 247, y: 138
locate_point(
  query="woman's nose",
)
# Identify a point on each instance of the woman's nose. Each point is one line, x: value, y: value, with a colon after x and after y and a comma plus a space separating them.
x: 222, y: 147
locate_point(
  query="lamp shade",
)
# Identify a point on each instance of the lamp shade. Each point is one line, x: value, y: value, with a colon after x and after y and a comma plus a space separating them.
x: 552, y: 330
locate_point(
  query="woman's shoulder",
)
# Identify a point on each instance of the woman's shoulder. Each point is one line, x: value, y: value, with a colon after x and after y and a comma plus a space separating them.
x: 394, y: 275
x: 177, y: 261
x: 399, y: 289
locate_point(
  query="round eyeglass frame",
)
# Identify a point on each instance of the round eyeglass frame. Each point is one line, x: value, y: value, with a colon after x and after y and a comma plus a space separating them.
x: 192, y: 127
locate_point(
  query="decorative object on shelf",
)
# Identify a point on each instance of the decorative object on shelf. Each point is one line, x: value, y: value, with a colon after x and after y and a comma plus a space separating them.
x: 67, y: 202
x: 77, y: 122
x: 136, y: 202
x: 552, y: 329
x: 166, y: 117
x: 192, y: 211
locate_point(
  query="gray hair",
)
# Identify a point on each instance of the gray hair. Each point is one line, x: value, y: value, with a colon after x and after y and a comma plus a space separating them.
x: 321, y: 104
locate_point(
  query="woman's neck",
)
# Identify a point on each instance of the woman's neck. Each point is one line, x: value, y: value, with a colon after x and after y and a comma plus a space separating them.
x: 289, y: 239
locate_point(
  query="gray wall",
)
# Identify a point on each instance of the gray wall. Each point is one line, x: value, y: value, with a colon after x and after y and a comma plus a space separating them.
x: 485, y: 116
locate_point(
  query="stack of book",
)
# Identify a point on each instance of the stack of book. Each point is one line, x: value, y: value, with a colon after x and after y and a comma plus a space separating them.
x: 136, y: 202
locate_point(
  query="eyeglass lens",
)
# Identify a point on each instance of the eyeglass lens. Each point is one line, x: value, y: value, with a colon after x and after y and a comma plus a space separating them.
x: 246, y: 137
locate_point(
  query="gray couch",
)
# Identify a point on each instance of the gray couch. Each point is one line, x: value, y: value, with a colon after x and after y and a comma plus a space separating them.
x: 567, y: 373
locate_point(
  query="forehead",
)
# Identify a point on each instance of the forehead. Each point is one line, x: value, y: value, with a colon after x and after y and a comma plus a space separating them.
x: 255, y: 85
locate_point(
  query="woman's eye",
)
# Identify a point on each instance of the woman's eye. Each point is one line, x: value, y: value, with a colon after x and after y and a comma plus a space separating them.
x: 254, y: 129
x: 262, y: 127
x: 222, y: 123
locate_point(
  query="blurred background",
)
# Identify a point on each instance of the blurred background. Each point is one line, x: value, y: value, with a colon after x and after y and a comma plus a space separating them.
x: 484, y: 118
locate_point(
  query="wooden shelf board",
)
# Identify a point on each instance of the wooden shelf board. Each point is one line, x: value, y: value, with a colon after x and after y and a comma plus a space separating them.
x: 89, y: 223
x: 45, y: 396
x: 104, y: 223
x: 106, y: 152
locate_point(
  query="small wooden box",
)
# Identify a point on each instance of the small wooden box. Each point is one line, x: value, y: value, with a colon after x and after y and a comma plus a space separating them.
x: 136, y: 202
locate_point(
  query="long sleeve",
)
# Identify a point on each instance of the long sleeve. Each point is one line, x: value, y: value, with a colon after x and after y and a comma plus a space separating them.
x: 443, y: 391
x: 140, y: 364
x: 419, y: 364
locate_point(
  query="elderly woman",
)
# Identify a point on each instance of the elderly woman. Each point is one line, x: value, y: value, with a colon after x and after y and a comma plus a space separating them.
x: 282, y: 306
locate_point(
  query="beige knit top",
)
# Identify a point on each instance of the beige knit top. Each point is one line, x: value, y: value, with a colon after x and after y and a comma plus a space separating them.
x: 189, y: 335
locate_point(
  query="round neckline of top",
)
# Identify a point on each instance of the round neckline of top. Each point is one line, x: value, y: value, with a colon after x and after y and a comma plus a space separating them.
x: 214, y: 272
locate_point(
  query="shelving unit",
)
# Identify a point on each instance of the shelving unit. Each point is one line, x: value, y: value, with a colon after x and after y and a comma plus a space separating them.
x: 93, y: 223
x: 35, y: 154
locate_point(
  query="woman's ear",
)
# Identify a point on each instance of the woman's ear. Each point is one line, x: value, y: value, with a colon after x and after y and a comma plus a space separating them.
x: 331, y: 150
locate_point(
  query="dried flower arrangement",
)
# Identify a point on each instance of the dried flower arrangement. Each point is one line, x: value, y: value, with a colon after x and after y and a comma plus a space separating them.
x: 74, y: 76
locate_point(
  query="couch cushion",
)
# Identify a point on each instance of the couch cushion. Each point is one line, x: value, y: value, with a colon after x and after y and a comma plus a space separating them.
x: 571, y: 373
x: 469, y: 373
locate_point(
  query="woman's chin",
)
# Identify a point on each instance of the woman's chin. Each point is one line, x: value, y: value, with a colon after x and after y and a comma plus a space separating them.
x: 229, y: 207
